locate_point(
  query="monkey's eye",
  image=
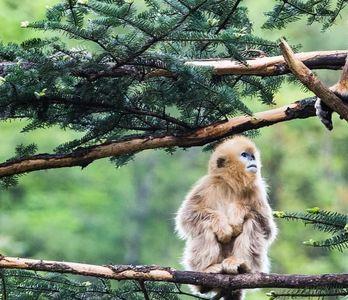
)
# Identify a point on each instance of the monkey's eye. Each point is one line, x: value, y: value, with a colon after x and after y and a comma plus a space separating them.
x: 252, y: 156
x: 244, y: 154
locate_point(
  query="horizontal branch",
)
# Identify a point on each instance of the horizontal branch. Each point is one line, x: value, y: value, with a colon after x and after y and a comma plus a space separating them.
x: 312, y: 82
x: 198, y: 137
x: 155, y: 273
x: 276, y: 65
x: 263, y: 66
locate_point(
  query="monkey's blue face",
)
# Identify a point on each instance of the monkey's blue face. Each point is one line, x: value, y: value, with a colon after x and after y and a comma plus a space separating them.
x: 249, y: 160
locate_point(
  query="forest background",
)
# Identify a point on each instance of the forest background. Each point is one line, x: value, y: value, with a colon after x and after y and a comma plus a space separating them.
x: 105, y: 214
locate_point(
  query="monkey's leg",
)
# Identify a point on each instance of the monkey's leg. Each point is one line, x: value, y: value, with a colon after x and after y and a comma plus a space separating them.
x: 249, y: 247
x: 203, y: 254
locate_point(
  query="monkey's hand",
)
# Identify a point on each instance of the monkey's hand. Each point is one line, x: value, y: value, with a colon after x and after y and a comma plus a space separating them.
x: 222, y: 229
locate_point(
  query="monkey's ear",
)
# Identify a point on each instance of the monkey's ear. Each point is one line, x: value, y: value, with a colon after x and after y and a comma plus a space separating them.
x: 220, y: 162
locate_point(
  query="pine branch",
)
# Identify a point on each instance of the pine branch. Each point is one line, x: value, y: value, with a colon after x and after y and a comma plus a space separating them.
x: 264, y: 66
x: 198, y: 137
x: 309, y: 293
x: 156, y: 273
x: 322, y: 220
x: 332, y: 222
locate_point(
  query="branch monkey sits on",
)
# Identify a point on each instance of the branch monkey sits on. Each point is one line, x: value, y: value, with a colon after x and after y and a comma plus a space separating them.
x: 225, y: 218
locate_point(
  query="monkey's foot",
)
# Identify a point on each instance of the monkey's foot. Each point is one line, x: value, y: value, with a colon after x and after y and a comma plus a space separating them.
x: 233, y: 265
x: 215, y: 268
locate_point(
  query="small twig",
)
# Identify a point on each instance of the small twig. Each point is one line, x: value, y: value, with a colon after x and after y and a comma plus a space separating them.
x: 143, y: 288
x: 181, y: 292
x: 307, y: 77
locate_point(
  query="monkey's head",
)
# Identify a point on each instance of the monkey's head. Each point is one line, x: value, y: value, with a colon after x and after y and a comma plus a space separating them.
x: 237, y: 161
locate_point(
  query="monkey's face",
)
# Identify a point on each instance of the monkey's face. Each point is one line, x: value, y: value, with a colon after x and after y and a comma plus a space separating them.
x: 249, y: 160
x: 236, y: 160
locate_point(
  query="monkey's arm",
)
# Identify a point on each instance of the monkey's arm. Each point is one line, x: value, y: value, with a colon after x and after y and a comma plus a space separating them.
x: 267, y: 224
x: 195, y: 218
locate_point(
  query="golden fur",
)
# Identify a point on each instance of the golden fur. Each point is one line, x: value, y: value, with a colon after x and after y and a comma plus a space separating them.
x: 225, y: 218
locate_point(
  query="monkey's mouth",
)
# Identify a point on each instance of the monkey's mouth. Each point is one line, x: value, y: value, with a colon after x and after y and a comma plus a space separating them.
x: 252, y: 168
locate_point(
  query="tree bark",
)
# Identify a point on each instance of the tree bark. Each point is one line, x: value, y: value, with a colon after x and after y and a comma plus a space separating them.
x: 198, y: 137
x: 156, y: 273
x: 276, y: 65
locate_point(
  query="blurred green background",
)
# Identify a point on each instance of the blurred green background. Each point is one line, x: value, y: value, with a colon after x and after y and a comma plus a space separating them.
x: 107, y: 215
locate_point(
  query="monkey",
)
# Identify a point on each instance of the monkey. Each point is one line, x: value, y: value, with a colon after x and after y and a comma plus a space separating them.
x: 340, y: 89
x: 226, y: 219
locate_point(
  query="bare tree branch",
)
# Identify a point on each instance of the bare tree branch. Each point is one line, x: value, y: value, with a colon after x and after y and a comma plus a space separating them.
x: 197, y: 137
x: 312, y: 82
x: 276, y: 65
x: 156, y: 273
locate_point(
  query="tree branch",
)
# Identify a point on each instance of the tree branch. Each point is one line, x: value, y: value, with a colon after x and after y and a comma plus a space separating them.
x: 276, y: 65
x: 312, y: 82
x: 156, y: 273
x: 265, y: 66
x: 83, y: 156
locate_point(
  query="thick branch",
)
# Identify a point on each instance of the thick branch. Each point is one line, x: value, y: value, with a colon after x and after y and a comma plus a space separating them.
x: 155, y: 273
x: 264, y: 66
x: 198, y: 137
x: 312, y: 82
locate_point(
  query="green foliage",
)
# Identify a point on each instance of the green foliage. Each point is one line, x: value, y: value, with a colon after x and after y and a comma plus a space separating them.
x: 287, y: 11
x: 22, y: 151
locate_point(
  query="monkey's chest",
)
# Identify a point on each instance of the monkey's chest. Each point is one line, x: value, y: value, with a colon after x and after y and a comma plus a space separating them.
x: 234, y: 212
